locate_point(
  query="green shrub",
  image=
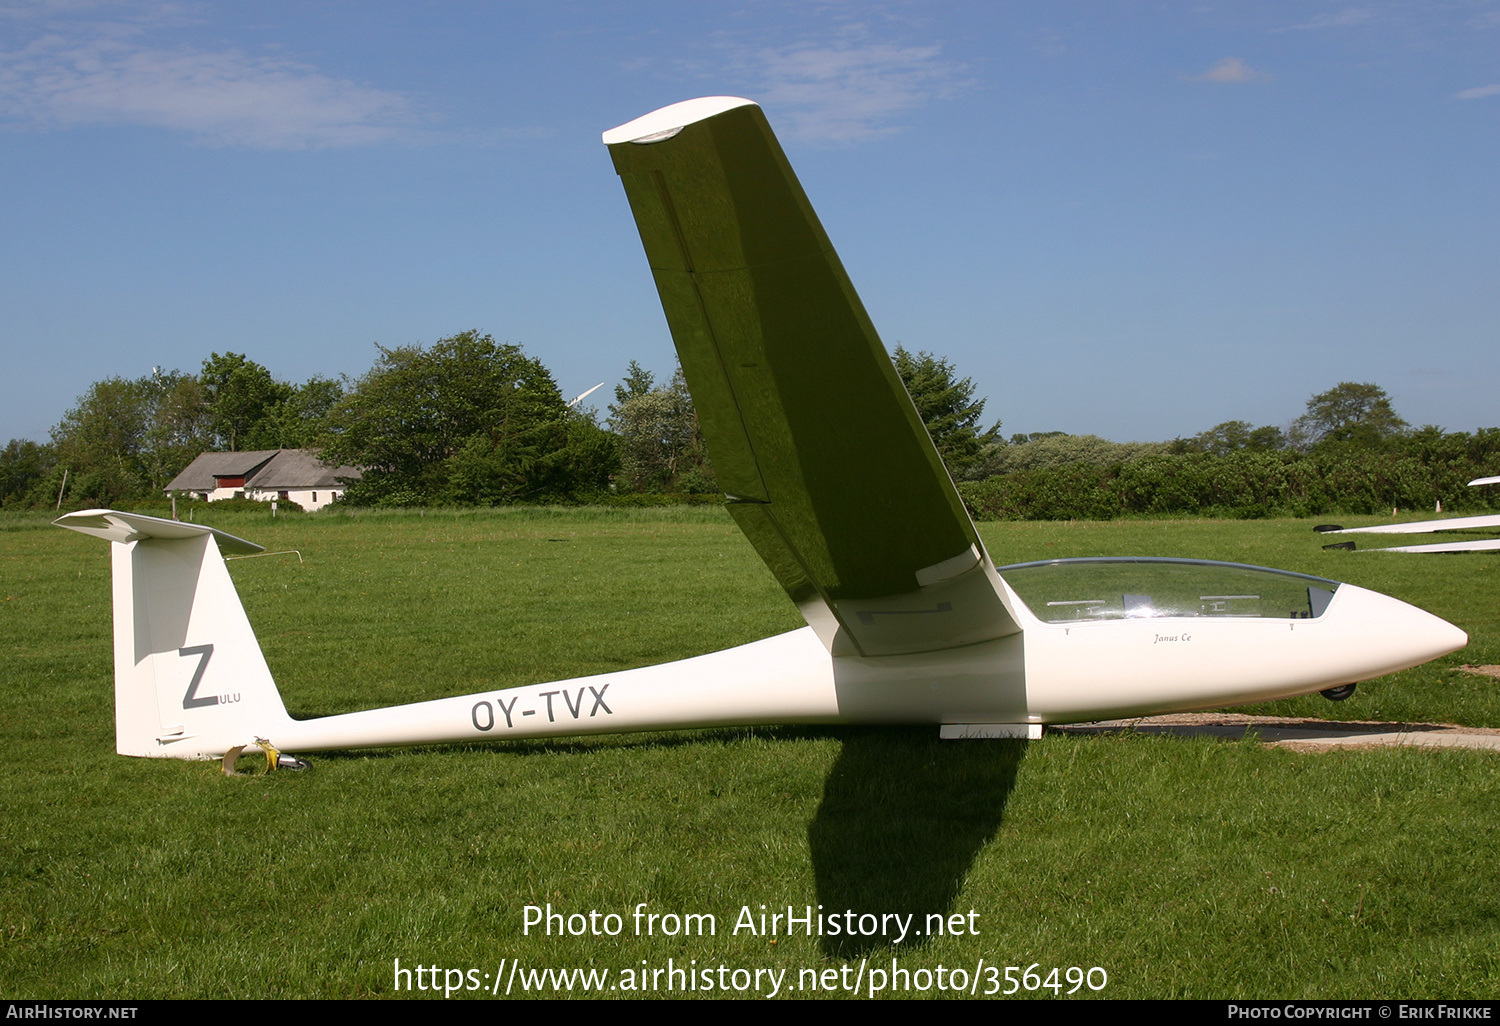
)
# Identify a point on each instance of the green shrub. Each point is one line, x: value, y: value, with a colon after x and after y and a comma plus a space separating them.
x: 1413, y: 474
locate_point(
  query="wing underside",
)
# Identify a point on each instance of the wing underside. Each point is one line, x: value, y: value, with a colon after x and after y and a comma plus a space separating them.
x: 825, y: 463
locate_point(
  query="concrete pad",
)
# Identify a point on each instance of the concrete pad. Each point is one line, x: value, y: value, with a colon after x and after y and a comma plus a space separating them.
x: 1299, y: 733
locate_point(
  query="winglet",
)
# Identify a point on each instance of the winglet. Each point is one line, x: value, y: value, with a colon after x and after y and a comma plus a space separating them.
x: 661, y: 125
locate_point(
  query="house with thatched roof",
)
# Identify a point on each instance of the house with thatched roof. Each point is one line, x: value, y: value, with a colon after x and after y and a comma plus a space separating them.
x: 295, y: 475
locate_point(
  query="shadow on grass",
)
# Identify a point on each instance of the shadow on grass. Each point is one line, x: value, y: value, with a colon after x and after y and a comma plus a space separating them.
x: 575, y: 744
x: 902, y: 818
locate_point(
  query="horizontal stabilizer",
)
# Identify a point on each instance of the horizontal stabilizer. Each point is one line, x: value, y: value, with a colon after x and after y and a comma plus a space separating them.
x: 112, y: 525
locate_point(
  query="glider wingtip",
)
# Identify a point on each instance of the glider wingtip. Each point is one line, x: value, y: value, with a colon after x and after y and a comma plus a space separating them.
x: 665, y: 122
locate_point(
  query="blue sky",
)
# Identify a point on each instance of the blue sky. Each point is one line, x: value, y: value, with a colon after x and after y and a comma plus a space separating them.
x: 1132, y: 219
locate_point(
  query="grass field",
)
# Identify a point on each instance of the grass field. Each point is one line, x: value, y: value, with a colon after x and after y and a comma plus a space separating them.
x: 1181, y: 867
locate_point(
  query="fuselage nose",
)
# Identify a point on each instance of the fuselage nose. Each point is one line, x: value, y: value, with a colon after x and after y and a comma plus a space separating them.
x: 1384, y: 634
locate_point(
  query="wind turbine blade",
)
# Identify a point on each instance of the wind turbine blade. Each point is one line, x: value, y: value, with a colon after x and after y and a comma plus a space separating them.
x: 585, y: 395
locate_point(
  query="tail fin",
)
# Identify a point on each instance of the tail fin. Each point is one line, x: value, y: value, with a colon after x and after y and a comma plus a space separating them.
x: 190, y: 679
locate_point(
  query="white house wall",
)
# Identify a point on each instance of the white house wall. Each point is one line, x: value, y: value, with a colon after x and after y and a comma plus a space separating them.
x: 310, y: 499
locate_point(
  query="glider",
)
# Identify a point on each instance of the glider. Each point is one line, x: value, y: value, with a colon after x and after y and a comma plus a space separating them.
x: 1479, y: 523
x: 831, y: 475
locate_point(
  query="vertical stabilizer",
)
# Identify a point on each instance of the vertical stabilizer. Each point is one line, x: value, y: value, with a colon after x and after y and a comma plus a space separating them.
x: 190, y: 679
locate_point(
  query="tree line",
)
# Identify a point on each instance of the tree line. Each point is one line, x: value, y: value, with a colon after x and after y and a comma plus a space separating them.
x: 472, y: 421
x: 126, y: 438
x: 466, y: 421
x: 1349, y: 452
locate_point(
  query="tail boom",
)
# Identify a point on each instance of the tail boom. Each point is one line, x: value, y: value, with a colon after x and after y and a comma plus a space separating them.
x: 191, y: 682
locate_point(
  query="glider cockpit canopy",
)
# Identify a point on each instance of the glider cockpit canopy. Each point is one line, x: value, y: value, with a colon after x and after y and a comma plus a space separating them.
x: 1115, y: 588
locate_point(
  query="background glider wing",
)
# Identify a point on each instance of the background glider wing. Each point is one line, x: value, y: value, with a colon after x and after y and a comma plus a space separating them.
x: 1488, y: 545
x: 1426, y: 526
x: 823, y: 459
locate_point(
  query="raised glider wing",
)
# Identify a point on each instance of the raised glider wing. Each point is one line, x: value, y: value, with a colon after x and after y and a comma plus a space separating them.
x: 1479, y: 523
x: 828, y: 470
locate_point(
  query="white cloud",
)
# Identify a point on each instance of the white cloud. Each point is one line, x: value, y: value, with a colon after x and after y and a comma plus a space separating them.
x: 1340, y: 19
x: 1232, y: 70
x: 223, y: 97
x: 1477, y: 94
x: 846, y: 93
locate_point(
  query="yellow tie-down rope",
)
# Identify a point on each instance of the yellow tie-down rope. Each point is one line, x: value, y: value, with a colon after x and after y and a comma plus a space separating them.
x: 273, y: 759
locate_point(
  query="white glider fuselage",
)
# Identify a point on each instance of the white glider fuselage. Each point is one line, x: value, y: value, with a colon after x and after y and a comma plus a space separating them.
x: 1048, y: 673
x: 191, y: 681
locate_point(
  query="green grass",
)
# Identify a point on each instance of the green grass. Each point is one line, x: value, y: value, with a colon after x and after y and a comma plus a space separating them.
x: 1184, y: 867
